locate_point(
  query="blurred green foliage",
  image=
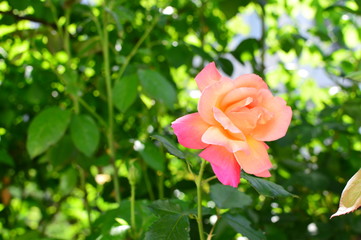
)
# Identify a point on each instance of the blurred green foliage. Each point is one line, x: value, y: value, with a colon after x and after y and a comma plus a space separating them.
x: 88, y: 87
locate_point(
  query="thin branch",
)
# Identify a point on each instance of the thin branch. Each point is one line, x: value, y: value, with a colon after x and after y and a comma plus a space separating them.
x: 29, y: 18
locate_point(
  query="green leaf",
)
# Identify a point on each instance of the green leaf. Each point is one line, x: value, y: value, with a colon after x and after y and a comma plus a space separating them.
x: 355, y: 76
x: 62, y: 153
x: 170, y: 146
x: 68, y: 181
x: 229, y: 197
x: 85, y: 134
x: 162, y: 207
x: 226, y: 65
x: 169, y: 227
x: 46, y: 129
x: 156, y: 86
x: 241, y: 225
x: 125, y: 92
x: 5, y: 158
x: 266, y: 188
x: 351, y: 196
x: 153, y: 156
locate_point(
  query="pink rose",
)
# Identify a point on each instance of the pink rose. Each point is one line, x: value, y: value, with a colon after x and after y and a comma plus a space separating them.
x: 234, y: 119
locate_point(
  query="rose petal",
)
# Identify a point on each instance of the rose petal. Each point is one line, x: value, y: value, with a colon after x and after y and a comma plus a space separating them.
x: 246, y: 120
x: 223, y: 163
x: 207, y: 76
x: 224, y: 121
x: 189, y: 130
x: 263, y: 174
x: 215, y: 136
x: 256, y: 161
x: 235, y: 96
x: 250, y: 81
x: 277, y: 126
x: 211, y: 97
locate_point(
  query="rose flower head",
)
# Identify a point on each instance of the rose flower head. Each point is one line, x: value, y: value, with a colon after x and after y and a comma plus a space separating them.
x: 234, y: 119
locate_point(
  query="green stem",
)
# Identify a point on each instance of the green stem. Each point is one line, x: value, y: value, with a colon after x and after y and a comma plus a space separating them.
x: 132, y: 207
x: 108, y: 83
x: 86, y: 202
x: 148, y: 182
x: 199, y: 200
x: 136, y: 46
x: 92, y: 112
x: 160, y: 185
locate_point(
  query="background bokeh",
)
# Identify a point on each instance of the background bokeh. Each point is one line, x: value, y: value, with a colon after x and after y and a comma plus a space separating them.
x: 76, y: 60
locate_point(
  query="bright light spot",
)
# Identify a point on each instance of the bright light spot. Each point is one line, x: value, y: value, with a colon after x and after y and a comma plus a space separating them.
x: 312, y: 228
x: 195, y: 94
x: 138, y: 145
x: 180, y: 195
x: 168, y: 10
x: 174, y: 43
x: 291, y: 66
x: 211, y: 204
x: 274, y: 205
x: 2, y: 131
x: 118, y: 230
x: 242, y: 238
x: 275, y: 219
x: 118, y: 46
x: 345, y: 17
x: 334, y: 90
x: 303, y: 73
x: 102, y: 178
x: 150, y: 129
x: 28, y: 70
x: 26, y: 117
x: 359, y: 130
x: 213, y: 219
x: 54, y: 94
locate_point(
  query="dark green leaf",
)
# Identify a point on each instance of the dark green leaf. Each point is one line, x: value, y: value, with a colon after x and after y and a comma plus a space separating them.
x: 61, y: 153
x: 170, y: 146
x: 46, y: 129
x: 5, y: 158
x: 241, y: 225
x: 169, y: 227
x: 162, y: 207
x: 229, y: 197
x: 266, y: 188
x: 226, y: 65
x: 156, y: 86
x: 85, y: 134
x: 153, y: 156
x: 125, y: 92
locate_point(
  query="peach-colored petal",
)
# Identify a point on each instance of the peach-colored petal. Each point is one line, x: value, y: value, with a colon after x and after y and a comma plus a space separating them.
x: 235, y: 96
x: 256, y: 160
x: 277, y: 126
x: 211, y: 97
x: 223, y: 163
x: 263, y: 174
x: 250, y: 81
x: 225, y: 121
x: 189, y: 130
x: 245, y: 120
x: 215, y: 136
x: 207, y: 76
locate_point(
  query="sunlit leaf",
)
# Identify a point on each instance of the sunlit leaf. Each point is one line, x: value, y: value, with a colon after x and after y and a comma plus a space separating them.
x: 351, y: 196
x: 229, y: 197
x: 46, y: 129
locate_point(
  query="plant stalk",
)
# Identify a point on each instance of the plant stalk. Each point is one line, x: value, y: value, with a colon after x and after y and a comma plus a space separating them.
x: 199, y: 200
